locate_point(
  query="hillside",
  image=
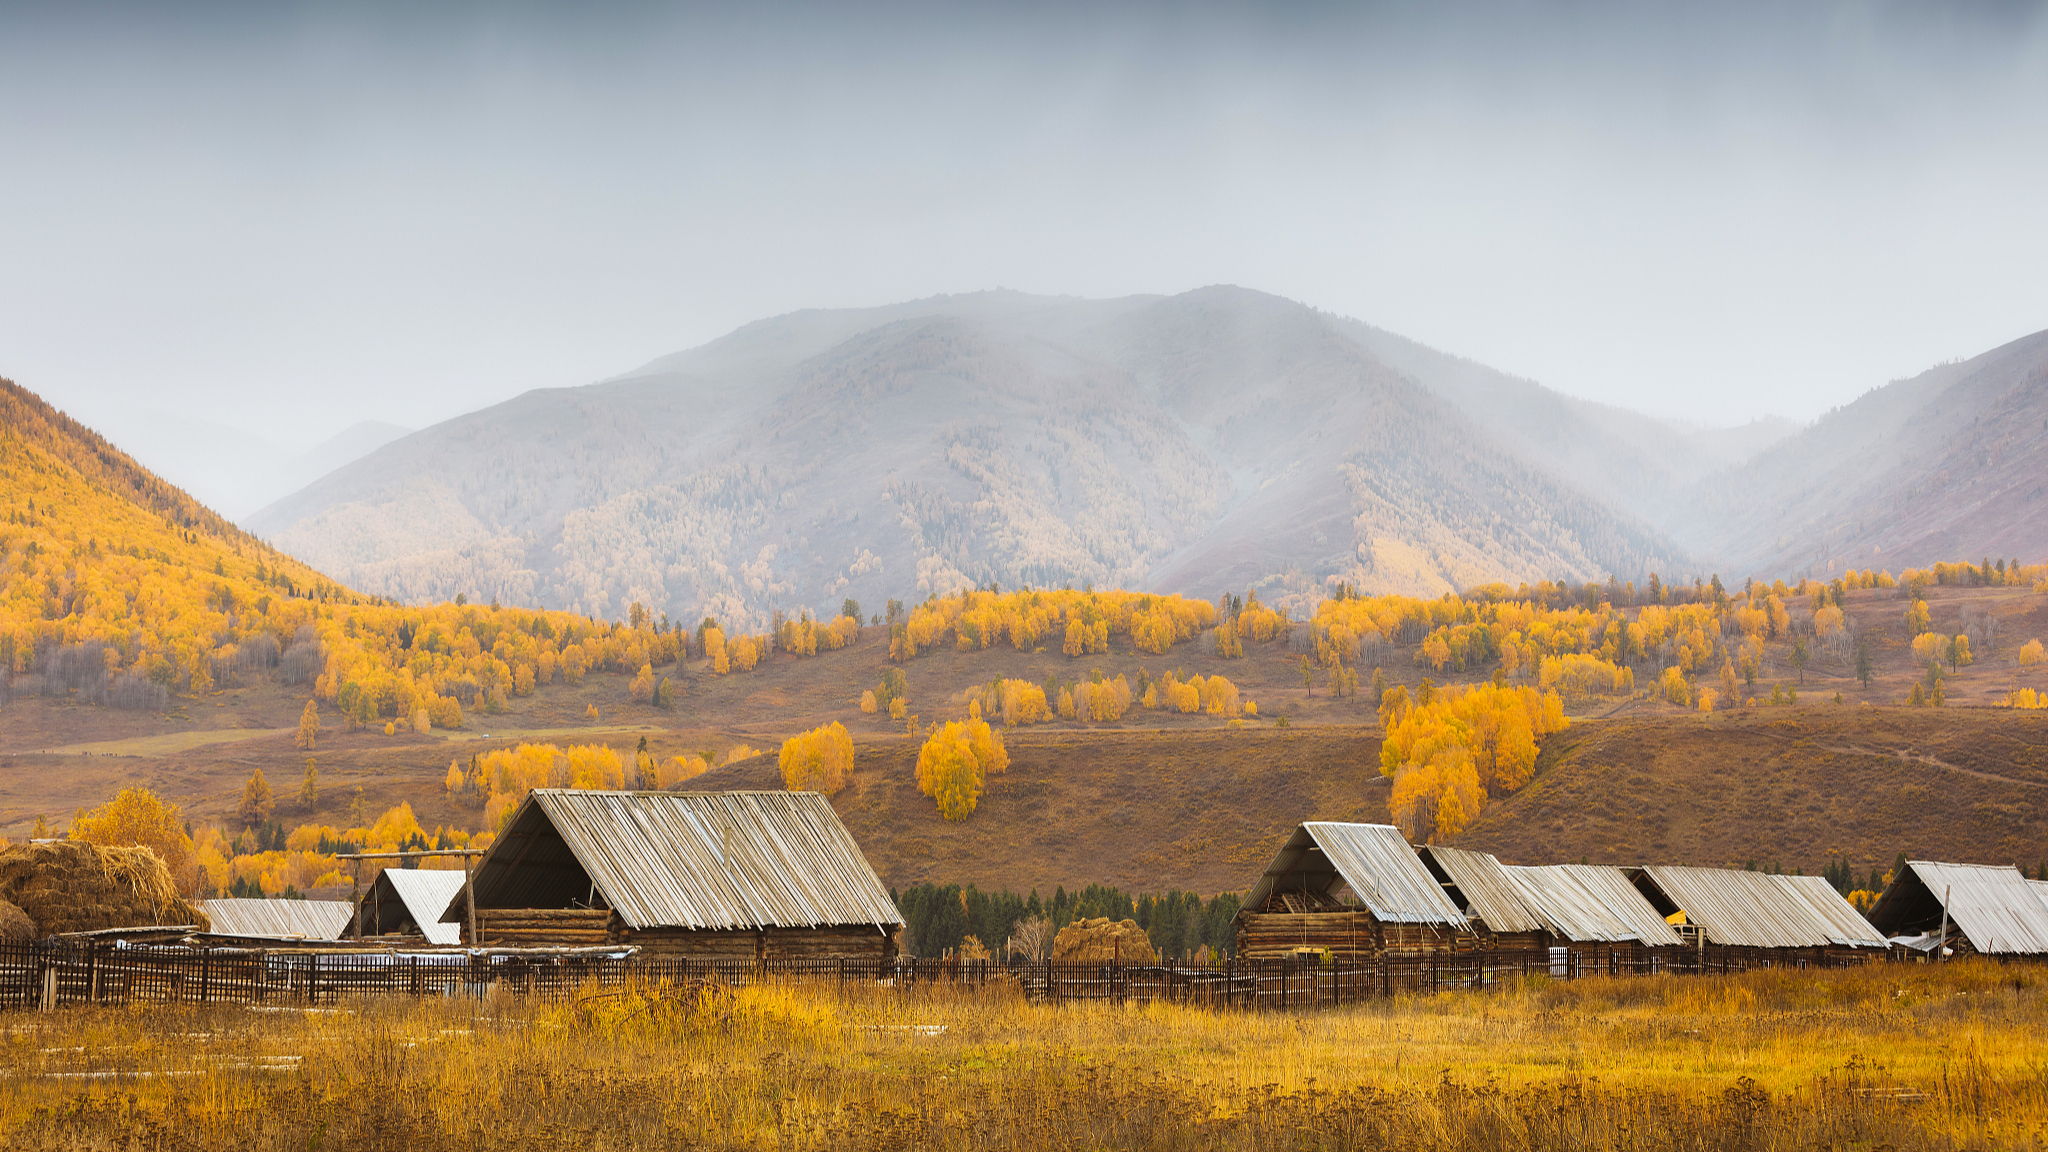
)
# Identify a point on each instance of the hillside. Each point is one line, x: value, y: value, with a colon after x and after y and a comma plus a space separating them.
x: 1946, y: 464
x: 1217, y: 439
x: 1786, y: 790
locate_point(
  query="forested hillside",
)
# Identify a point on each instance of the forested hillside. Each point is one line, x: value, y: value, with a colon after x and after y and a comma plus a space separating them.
x: 1218, y: 439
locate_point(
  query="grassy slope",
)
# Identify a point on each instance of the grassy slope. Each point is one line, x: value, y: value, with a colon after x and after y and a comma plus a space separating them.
x: 1785, y: 786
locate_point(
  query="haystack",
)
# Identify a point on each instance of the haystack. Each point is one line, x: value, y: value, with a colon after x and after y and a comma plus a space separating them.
x: 1099, y: 941
x: 15, y: 926
x: 72, y: 886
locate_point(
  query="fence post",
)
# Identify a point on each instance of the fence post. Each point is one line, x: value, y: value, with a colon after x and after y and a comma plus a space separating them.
x: 49, y: 985
x: 205, y: 977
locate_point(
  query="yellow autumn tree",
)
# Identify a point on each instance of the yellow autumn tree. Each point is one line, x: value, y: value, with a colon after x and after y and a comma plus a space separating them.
x: 818, y: 760
x: 954, y: 765
x: 309, y: 726
x: 1445, y: 756
x: 257, y: 803
x: 137, y: 816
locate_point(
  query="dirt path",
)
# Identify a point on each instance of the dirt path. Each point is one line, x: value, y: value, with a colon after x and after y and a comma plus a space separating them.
x: 1901, y: 754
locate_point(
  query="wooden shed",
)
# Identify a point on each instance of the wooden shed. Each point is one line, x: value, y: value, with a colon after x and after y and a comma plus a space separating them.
x: 1501, y: 910
x: 697, y: 875
x: 1589, y: 910
x: 1990, y: 909
x: 1354, y: 890
x: 1762, y: 917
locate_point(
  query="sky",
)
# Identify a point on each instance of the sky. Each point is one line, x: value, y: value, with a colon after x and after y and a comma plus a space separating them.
x: 291, y: 218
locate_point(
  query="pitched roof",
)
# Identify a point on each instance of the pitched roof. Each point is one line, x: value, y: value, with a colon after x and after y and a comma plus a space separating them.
x: 304, y: 919
x: 1374, y: 859
x: 1592, y: 902
x: 1759, y: 910
x: 1491, y: 895
x: 425, y: 893
x: 1998, y: 910
x: 685, y: 859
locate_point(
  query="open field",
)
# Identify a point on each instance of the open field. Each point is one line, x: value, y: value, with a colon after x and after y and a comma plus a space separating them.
x: 1902, y: 1056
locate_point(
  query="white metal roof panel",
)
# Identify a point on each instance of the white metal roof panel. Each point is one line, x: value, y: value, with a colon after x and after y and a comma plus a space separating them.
x: 304, y: 919
x: 1592, y: 902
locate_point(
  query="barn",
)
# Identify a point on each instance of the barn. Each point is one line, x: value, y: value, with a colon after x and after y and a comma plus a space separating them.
x: 1758, y: 917
x: 1357, y: 891
x: 1990, y: 909
x: 720, y: 876
x: 408, y: 902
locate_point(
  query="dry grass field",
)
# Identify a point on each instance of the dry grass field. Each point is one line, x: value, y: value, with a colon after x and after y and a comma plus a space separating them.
x: 1890, y: 1056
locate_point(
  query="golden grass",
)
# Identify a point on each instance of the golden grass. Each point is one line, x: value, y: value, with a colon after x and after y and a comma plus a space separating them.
x: 1899, y: 1056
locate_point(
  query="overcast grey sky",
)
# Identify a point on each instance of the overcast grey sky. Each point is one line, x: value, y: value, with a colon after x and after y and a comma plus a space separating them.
x: 294, y: 218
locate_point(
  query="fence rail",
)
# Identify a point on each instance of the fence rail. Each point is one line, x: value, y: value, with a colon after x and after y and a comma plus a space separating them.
x: 49, y: 975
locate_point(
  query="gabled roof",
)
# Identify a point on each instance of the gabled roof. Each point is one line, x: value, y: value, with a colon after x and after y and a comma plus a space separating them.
x: 684, y: 859
x: 1374, y: 859
x: 303, y: 919
x: 1757, y: 909
x: 1491, y: 895
x: 423, y: 895
x: 1593, y: 903
x: 1998, y: 910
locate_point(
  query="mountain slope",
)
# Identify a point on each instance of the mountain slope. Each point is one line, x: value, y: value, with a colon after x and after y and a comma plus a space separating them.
x: 1946, y: 464
x: 1216, y: 439
x: 1641, y: 463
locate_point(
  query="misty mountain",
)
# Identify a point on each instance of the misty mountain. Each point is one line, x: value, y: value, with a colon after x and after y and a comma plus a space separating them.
x: 1646, y: 465
x: 1218, y: 439
x: 233, y: 471
x: 1951, y: 464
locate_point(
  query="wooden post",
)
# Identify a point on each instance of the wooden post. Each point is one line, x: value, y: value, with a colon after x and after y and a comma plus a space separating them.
x: 355, y: 895
x: 469, y: 898
x: 1941, y: 944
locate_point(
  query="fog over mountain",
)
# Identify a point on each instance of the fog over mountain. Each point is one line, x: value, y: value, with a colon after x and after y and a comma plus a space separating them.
x: 1214, y: 440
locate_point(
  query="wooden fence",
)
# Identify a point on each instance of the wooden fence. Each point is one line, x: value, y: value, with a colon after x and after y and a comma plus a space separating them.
x: 49, y: 975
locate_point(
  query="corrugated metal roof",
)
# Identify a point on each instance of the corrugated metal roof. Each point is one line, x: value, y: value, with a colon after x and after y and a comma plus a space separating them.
x: 304, y: 919
x: 426, y: 893
x: 1998, y: 909
x: 688, y: 859
x: 1592, y: 903
x: 1491, y: 895
x: 1759, y: 910
x: 1374, y: 859
x: 2040, y: 888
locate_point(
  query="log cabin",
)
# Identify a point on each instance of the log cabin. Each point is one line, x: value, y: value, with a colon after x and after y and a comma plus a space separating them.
x: 1992, y: 910
x: 1356, y: 891
x: 715, y: 876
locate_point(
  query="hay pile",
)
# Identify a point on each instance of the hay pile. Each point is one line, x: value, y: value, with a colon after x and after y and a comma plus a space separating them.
x: 1098, y: 941
x: 72, y: 886
x: 15, y: 926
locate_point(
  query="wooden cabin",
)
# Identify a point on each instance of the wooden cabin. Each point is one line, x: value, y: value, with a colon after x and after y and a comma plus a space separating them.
x: 408, y: 903
x: 1758, y: 917
x: 721, y: 876
x: 1992, y: 910
x: 1357, y: 891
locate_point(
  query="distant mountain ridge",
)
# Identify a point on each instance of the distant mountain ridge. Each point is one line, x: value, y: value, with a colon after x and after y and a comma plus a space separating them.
x: 1218, y: 439
x: 1948, y: 463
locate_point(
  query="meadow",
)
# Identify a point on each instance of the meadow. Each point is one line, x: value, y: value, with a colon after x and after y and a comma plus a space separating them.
x: 1899, y: 1056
